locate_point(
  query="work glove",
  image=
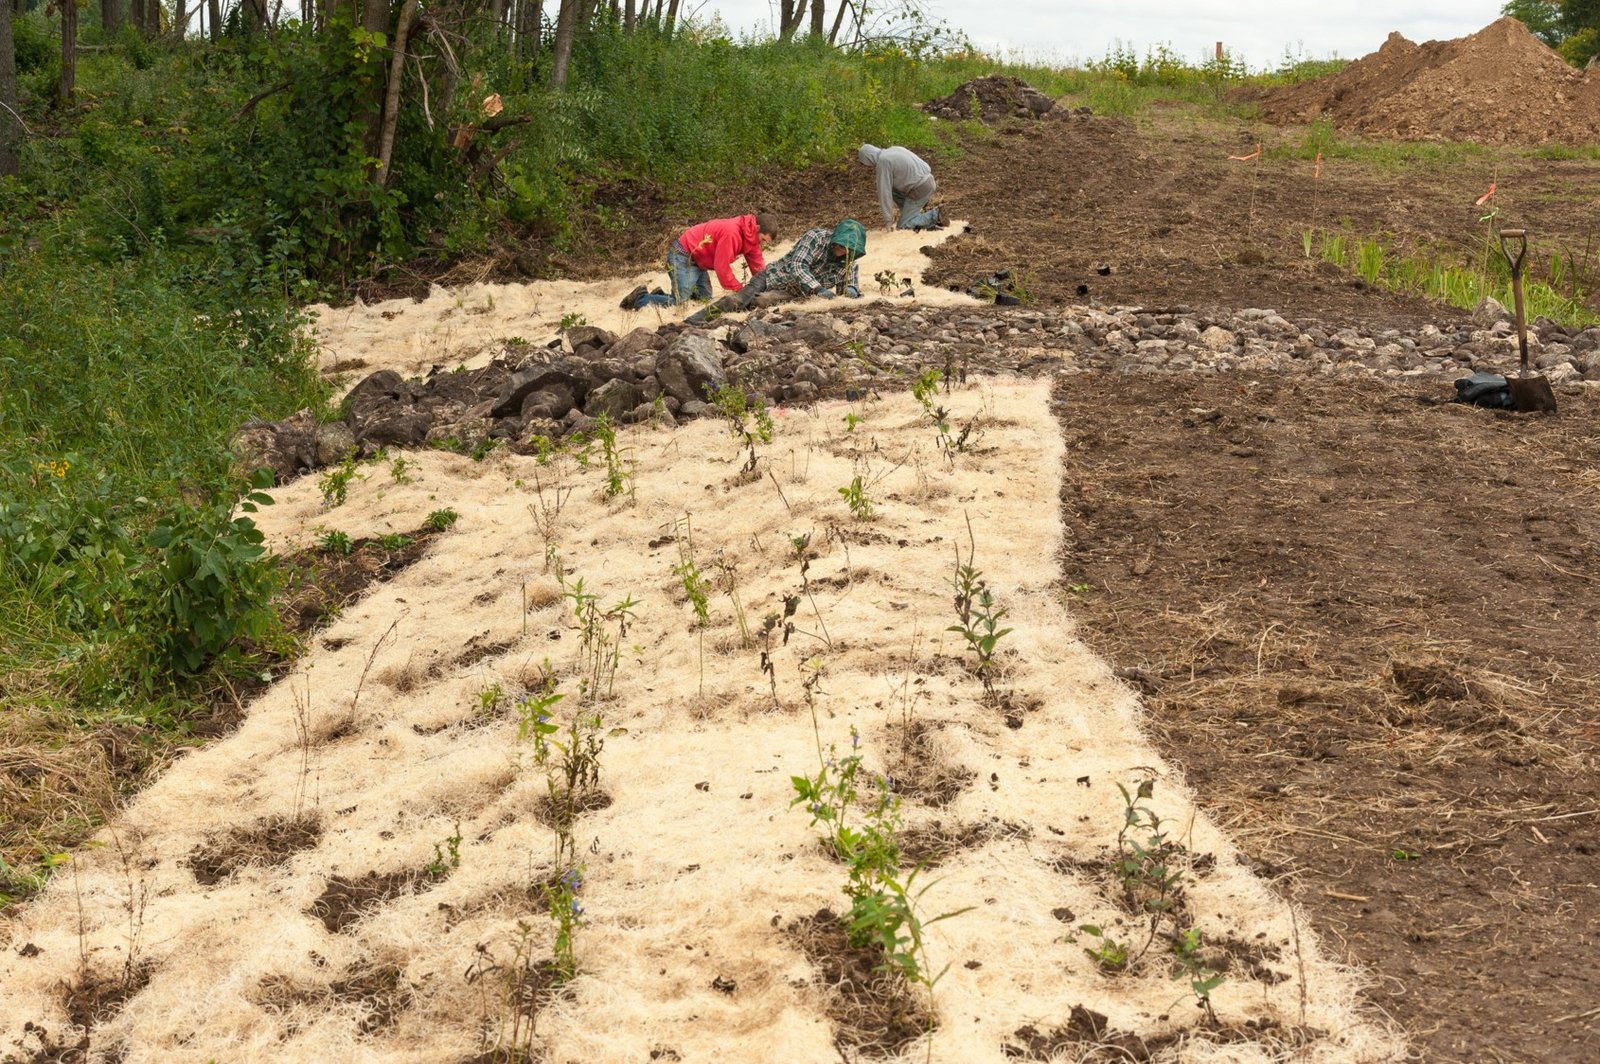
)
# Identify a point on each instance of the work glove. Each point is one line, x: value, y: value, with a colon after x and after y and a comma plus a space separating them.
x: 853, y: 292
x: 825, y: 293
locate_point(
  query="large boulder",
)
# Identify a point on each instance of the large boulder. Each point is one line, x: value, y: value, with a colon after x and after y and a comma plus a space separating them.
x: 560, y: 373
x: 288, y: 447
x: 292, y: 447
x: 613, y: 399
x: 551, y: 402
x: 401, y: 428
x: 590, y: 336
x: 691, y: 367
x: 635, y: 344
x: 382, y: 391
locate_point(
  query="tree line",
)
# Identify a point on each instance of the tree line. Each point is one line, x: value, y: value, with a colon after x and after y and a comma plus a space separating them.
x: 1571, y: 27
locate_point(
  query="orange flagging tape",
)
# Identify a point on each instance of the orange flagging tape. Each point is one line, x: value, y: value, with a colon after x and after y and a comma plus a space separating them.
x: 1481, y: 200
x: 1247, y: 158
x: 1317, y: 172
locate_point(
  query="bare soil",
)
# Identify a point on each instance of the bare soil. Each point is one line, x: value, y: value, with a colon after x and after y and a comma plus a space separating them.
x: 1363, y: 624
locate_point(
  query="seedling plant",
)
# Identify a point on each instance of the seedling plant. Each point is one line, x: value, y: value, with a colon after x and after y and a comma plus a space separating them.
x: 336, y: 542
x: 533, y: 715
x: 619, y: 480
x: 335, y: 483
x: 696, y: 589
x: 884, y: 905
x: 1151, y: 880
x: 748, y: 421
x: 601, y: 633
x: 441, y: 520
x: 978, y: 617
x: 856, y: 498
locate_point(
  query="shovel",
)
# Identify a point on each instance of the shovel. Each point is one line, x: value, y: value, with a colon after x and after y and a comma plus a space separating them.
x: 1529, y: 392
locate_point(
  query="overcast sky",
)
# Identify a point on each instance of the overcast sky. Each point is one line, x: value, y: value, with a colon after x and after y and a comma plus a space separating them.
x: 1256, y: 31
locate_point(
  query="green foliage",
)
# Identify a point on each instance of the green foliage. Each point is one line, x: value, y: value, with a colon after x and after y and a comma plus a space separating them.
x: 335, y: 483
x: 334, y: 541
x: 856, y: 498
x: 1558, y: 288
x: 748, y: 420
x: 884, y: 909
x: 209, y: 584
x: 978, y: 619
x: 446, y: 855
x: 1109, y: 954
x: 533, y: 715
x: 619, y: 479
x: 1189, y: 963
x: 441, y: 520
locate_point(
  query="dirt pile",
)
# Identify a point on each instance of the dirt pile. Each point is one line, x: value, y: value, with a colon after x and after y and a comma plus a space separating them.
x: 993, y: 98
x: 1500, y: 85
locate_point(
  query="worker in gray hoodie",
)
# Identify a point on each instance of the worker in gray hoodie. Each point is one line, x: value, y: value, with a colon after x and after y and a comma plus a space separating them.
x: 905, y: 184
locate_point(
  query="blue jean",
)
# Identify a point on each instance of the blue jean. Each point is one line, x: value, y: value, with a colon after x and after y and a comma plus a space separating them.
x: 914, y: 213
x: 688, y: 280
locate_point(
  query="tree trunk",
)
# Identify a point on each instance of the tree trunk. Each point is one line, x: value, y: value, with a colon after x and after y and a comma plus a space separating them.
x: 838, y: 20
x: 375, y: 20
x: 253, y: 11
x: 529, y: 26
x: 10, y: 120
x: 567, y: 19
x: 817, y: 11
x: 110, y: 16
x: 69, y: 54
x: 391, y: 102
x: 214, y: 13
x: 672, y: 18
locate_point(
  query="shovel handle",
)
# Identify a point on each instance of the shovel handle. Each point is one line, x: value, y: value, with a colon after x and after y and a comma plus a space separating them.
x: 1520, y: 238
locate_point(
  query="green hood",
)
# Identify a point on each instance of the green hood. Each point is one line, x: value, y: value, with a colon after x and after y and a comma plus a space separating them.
x: 852, y: 236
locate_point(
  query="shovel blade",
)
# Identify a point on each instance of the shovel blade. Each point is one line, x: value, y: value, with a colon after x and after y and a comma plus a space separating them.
x: 1532, y: 394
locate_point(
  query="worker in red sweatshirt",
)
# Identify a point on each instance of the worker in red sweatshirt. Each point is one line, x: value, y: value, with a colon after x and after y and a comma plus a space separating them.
x: 707, y: 248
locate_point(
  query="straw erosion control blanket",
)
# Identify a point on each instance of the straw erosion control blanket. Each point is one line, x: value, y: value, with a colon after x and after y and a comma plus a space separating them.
x: 410, y: 838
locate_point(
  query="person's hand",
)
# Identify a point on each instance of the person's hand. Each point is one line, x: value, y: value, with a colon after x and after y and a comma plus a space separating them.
x: 825, y: 293
x: 853, y: 292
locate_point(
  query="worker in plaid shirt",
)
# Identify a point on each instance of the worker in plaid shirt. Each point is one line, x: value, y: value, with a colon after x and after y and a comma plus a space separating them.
x: 821, y: 263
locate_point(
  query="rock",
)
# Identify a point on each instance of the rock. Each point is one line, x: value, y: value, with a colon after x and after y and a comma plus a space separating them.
x: 551, y: 402
x: 635, y: 344
x: 462, y: 436
x: 403, y: 428
x: 690, y: 368
x: 288, y: 447
x: 612, y: 399
x: 800, y: 392
x: 335, y: 443
x: 1564, y: 373
x: 448, y: 389
x: 590, y: 336
x: 814, y: 329
x: 537, y: 434
x: 576, y: 421
x: 609, y: 369
x: 1554, y: 355
x: 1489, y: 310
x: 535, y: 378
x: 806, y: 372
x: 382, y: 388
x: 748, y: 335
